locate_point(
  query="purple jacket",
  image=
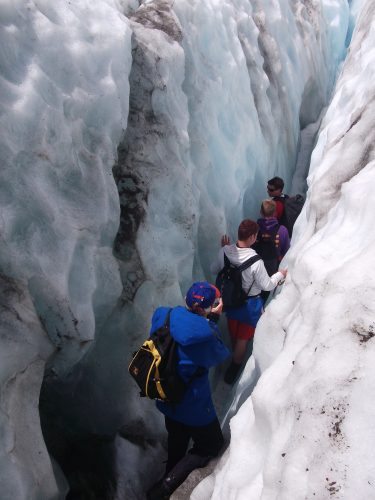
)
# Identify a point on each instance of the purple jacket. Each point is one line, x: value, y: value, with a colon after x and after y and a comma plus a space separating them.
x: 268, y: 224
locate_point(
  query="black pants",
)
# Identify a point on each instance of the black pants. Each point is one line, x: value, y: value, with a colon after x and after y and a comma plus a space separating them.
x: 264, y: 295
x: 207, y: 441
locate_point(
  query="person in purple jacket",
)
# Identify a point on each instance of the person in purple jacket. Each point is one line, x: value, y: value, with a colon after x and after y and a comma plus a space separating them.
x: 200, y: 347
x: 272, y: 241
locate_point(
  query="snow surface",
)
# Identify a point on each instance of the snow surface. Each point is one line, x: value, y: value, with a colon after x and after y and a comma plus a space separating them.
x: 194, y: 105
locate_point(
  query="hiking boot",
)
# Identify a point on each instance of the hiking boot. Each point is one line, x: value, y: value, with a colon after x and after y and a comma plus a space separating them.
x: 232, y: 373
x: 182, y: 469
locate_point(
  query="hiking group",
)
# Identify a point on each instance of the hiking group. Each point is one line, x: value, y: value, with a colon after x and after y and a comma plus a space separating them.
x: 173, y: 365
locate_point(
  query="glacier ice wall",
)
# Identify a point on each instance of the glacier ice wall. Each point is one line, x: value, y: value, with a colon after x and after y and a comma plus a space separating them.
x: 194, y: 104
x: 64, y: 103
x: 26, y: 468
x: 63, y: 112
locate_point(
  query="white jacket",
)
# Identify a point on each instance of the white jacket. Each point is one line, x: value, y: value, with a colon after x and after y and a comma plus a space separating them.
x: 254, y: 278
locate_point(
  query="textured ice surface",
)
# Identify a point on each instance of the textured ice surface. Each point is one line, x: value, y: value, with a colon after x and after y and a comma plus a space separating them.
x: 63, y: 107
x: 64, y: 103
x: 26, y: 468
x: 195, y: 105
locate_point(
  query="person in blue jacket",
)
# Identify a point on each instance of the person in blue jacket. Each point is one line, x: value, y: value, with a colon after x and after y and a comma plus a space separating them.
x: 194, y: 418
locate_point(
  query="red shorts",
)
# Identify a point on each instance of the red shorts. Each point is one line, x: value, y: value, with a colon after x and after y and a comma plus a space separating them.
x: 240, y: 331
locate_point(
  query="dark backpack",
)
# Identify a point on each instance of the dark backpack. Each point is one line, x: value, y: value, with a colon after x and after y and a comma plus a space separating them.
x: 266, y: 247
x: 229, y: 282
x: 292, y: 208
x: 154, y: 366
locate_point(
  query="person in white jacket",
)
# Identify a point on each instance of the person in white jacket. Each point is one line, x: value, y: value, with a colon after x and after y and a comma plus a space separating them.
x: 242, y: 320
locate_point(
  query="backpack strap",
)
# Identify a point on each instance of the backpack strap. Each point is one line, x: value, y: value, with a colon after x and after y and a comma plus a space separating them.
x: 248, y: 262
x: 166, y: 324
x: 168, y: 318
x: 226, y: 260
x: 282, y: 198
x: 273, y: 232
x: 246, y: 265
x: 276, y: 239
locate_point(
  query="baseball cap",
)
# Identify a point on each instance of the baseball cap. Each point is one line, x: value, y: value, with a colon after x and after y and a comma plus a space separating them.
x: 201, y: 294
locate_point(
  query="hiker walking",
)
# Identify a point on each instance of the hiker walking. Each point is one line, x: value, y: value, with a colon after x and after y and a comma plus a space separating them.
x: 200, y: 347
x: 272, y: 241
x: 242, y: 320
x: 288, y: 208
x: 275, y: 188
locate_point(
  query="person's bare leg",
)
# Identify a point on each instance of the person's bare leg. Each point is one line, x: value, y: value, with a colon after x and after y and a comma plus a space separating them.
x: 239, y: 351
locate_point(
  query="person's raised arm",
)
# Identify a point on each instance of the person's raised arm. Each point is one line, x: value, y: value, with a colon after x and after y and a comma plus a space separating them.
x: 218, y: 262
x: 225, y: 240
x: 265, y: 282
x: 216, y: 311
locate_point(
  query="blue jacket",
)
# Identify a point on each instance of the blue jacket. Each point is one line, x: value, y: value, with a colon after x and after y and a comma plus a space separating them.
x: 199, y: 345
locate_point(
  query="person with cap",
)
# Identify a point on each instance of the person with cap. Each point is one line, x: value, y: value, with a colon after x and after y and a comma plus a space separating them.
x: 200, y: 347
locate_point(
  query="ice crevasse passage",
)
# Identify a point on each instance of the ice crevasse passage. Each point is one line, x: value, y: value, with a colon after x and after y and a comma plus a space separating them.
x: 132, y: 137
